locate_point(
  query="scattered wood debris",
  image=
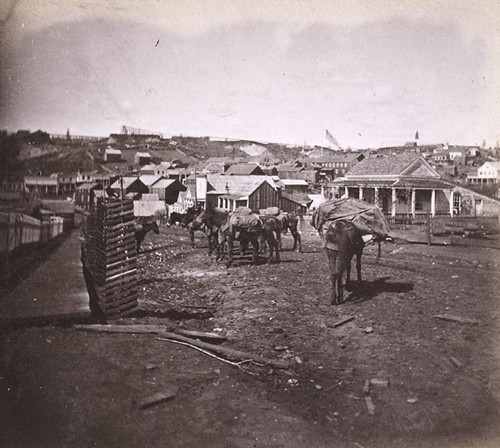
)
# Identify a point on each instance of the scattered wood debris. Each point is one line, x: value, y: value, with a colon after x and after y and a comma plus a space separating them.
x: 376, y: 382
x: 155, y: 399
x: 462, y: 320
x: 230, y: 353
x: 370, y: 406
x: 343, y: 321
x: 203, y: 335
x: 366, y: 387
x: 458, y: 364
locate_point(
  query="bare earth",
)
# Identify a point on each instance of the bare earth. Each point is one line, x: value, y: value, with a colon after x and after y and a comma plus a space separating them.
x: 435, y: 383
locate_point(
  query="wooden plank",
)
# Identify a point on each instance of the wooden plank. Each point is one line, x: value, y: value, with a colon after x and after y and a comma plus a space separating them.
x: 116, y: 218
x: 115, y: 205
x: 121, y: 310
x: 462, y: 320
x: 370, y: 406
x: 115, y: 264
x: 116, y: 246
x: 120, y: 282
x: 123, y: 238
x: 343, y: 321
x: 117, y: 287
x: 118, y: 252
x: 119, y: 226
x: 155, y: 399
x: 110, y: 307
x: 203, y: 335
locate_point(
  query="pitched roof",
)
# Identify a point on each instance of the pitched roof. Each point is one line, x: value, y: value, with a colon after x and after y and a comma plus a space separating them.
x: 240, y: 186
x: 388, y: 165
x: 127, y: 181
x: 243, y: 169
x: 302, y: 199
x: 164, y: 183
x: 150, y: 179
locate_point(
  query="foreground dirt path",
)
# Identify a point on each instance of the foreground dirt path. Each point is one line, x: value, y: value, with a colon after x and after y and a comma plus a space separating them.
x: 434, y: 382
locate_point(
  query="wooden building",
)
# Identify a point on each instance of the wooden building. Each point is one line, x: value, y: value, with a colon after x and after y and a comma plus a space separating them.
x: 407, y: 184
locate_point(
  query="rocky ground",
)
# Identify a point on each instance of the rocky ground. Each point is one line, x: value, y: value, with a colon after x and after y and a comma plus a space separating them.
x: 395, y: 375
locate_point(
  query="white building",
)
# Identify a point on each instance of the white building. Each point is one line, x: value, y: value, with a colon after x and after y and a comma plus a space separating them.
x: 487, y: 173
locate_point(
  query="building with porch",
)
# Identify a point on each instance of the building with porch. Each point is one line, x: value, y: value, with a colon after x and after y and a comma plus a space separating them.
x: 407, y: 184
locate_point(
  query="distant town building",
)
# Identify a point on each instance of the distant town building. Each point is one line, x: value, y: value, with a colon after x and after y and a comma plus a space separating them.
x: 487, y: 173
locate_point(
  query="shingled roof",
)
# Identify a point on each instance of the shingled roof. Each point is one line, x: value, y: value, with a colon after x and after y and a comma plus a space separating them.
x: 388, y: 165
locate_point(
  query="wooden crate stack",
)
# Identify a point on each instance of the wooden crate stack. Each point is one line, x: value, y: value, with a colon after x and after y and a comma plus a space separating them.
x: 111, y: 258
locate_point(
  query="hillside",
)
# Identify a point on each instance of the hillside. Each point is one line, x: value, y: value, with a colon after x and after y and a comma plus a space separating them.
x: 63, y: 157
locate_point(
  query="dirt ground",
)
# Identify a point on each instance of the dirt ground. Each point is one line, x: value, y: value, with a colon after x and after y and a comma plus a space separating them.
x: 432, y: 382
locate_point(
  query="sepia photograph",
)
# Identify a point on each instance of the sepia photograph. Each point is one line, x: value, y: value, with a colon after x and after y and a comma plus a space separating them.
x: 248, y: 224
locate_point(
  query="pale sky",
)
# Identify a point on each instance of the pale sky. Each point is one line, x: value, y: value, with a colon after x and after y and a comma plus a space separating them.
x: 371, y: 72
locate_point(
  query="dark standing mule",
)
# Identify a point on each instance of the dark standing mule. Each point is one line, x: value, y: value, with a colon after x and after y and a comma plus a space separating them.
x: 184, y: 219
x: 210, y: 221
x: 284, y: 222
x: 290, y: 221
x: 342, y: 241
x: 141, y: 231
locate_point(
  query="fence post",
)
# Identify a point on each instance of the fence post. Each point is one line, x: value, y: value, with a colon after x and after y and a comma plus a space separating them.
x: 428, y: 229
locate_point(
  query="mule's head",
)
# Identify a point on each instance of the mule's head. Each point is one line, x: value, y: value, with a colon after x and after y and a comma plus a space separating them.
x: 155, y: 228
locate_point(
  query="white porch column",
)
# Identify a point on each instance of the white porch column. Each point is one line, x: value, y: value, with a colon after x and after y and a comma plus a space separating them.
x: 376, y: 196
x: 451, y: 203
x: 346, y: 192
x: 413, y: 200
x: 361, y: 193
x: 433, y: 203
x: 393, y: 203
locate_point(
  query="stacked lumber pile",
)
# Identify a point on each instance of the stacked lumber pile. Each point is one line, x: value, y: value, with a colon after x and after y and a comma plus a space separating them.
x: 109, y: 257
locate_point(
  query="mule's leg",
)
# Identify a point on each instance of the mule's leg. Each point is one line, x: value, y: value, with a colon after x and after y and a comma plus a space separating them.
x: 229, y: 242
x: 255, y: 246
x: 277, y: 247
x: 332, y: 261
x: 273, y: 247
x: 297, y: 241
x: 358, y: 264
x: 343, y: 266
x: 191, y: 237
x: 348, y: 286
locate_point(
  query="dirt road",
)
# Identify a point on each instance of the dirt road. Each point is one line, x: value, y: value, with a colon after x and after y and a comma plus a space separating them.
x: 394, y: 375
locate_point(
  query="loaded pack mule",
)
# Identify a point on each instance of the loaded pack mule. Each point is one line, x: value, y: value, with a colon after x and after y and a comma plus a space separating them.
x: 342, y: 241
x: 247, y: 228
x: 284, y: 222
x: 345, y: 224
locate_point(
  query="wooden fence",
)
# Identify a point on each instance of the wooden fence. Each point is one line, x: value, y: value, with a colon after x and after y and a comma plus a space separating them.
x: 18, y: 230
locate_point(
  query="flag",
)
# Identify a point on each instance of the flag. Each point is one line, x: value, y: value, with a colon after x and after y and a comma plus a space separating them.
x: 332, y: 139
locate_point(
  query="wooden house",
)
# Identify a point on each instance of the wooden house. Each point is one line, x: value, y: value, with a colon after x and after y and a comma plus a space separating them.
x: 231, y: 192
x: 167, y: 190
x: 407, y: 184
x: 129, y: 185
